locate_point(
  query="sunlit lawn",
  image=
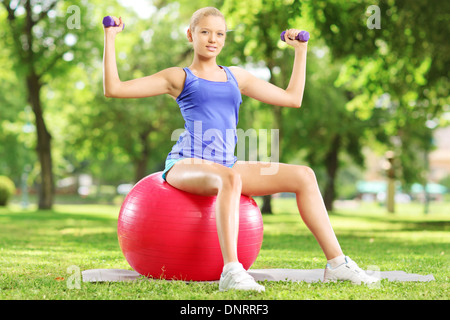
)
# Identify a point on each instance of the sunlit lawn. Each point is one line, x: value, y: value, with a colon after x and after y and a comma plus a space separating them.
x: 38, y: 248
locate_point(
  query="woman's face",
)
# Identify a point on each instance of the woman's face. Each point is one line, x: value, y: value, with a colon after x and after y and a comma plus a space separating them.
x: 209, y: 36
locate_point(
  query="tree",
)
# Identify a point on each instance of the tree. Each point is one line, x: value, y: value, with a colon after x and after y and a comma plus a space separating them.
x: 15, y: 121
x: 42, y: 41
x: 400, y: 69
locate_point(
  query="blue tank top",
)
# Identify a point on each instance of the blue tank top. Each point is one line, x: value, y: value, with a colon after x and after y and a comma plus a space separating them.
x: 210, y: 111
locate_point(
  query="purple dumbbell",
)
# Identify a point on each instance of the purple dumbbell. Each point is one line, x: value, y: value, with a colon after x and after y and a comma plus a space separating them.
x: 108, y: 21
x: 302, y: 36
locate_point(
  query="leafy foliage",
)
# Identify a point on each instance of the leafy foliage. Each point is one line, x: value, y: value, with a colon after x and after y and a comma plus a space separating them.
x: 7, y: 189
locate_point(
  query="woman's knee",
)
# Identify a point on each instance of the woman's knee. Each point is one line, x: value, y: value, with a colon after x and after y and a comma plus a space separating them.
x: 308, y: 173
x: 230, y: 179
x: 305, y: 176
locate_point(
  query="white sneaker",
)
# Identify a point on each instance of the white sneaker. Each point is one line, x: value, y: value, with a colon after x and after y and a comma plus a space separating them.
x: 348, y: 271
x: 238, y: 279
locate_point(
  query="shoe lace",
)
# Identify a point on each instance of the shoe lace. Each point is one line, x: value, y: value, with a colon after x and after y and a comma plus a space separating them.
x: 241, y: 276
x: 353, y: 266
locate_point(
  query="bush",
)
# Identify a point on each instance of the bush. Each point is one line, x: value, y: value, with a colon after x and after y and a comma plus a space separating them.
x: 7, y: 189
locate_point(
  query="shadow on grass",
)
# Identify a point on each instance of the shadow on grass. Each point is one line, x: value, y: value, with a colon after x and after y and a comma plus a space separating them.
x: 52, y: 229
x: 56, y: 215
x: 409, y: 224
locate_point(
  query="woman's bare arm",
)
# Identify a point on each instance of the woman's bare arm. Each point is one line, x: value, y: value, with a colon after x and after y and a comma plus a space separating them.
x: 168, y: 81
x: 268, y: 93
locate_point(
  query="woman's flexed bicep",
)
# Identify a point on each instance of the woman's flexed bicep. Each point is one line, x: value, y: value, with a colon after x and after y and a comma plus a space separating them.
x: 264, y: 91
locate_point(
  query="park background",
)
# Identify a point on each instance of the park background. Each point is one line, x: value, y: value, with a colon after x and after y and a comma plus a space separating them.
x: 374, y: 118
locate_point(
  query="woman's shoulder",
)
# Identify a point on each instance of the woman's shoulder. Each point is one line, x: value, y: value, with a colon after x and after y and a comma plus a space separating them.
x: 236, y: 69
x: 241, y: 75
x: 175, y: 72
x: 175, y: 75
x: 239, y: 72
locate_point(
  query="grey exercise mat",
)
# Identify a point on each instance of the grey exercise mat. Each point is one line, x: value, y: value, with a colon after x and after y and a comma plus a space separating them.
x: 313, y: 275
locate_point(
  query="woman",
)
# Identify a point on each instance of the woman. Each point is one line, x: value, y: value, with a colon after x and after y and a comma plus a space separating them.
x: 203, y: 162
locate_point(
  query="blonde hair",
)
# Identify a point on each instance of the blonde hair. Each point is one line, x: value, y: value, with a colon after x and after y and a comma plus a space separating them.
x: 205, y: 12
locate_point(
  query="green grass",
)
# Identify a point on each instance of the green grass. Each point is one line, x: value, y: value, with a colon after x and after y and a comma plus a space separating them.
x: 38, y: 247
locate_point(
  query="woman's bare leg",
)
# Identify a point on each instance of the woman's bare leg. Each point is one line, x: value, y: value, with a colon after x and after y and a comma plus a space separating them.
x: 207, y: 178
x: 258, y: 179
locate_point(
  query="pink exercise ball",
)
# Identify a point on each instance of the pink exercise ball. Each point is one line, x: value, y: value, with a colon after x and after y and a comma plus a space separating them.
x: 166, y: 233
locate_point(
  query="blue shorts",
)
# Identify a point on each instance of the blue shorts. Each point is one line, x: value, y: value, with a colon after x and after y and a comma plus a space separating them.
x: 170, y: 163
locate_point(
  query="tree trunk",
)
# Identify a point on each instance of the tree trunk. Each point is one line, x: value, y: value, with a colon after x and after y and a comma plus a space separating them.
x: 332, y: 164
x: 27, y: 61
x: 267, y: 205
x: 43, y: 146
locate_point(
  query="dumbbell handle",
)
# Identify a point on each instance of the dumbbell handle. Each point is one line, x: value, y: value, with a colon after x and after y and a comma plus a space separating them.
x: 108, y: 21
x: 302, y: 36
